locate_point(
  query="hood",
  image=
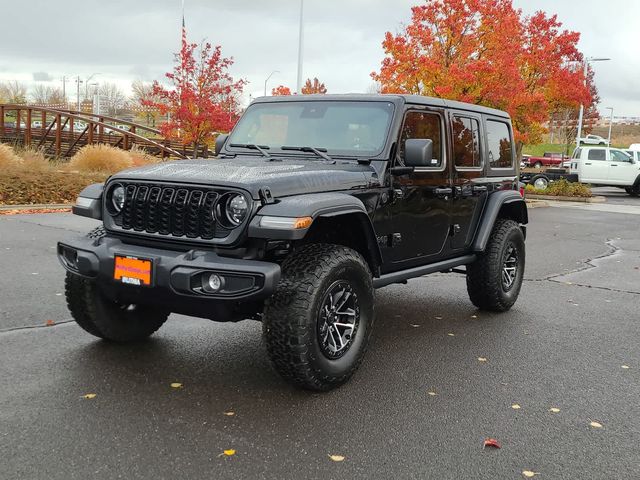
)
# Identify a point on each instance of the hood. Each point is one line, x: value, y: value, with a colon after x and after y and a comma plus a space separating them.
x: 282, y: 177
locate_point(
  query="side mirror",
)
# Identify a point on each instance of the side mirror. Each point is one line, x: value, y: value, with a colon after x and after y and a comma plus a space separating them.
x: 220, y: 140
x: 418, y: 152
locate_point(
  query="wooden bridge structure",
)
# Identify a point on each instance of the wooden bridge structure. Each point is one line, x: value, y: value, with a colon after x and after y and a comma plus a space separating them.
x: 62, y: 133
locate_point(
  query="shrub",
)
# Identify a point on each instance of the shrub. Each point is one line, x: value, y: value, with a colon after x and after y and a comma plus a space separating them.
x: 34, y: 160
x: 562, y: 188
x: 139, y: 157
x: 8, y: 157
x: 100, y: 158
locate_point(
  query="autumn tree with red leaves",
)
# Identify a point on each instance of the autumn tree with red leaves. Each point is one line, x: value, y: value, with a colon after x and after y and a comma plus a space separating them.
x: 313, y: 87
x: 203, y: 98
x: 486, y: 52
x: 281, y: 90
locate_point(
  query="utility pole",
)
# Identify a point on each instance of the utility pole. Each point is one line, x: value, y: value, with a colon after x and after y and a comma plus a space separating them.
x: 78, y: 82
x: 300, y: 48
x: 610, y: 124
x: 586, y: 65
x: 64, y: 90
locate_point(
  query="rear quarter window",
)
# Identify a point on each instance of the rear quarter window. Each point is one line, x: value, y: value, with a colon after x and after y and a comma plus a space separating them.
x: 597, y: 154
x: 499, y: 144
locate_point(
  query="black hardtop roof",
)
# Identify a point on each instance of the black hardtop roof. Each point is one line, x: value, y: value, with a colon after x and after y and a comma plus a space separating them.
x: 408, y: 99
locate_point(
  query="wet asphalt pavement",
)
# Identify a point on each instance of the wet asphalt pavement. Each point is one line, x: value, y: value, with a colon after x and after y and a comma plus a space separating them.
x: 563, y: 346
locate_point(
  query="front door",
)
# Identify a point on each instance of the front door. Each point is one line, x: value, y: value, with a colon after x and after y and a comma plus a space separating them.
x: 420, y: 209
x: 622, y: 169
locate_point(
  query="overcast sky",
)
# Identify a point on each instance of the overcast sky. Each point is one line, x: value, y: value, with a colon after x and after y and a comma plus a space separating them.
x: 125, y: 40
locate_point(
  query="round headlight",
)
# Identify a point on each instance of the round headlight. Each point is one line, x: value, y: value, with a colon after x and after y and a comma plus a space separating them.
x: 237, y: 209
x: 117, y: 198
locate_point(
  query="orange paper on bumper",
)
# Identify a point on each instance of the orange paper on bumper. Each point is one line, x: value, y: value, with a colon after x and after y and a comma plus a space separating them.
x: 133, y: 271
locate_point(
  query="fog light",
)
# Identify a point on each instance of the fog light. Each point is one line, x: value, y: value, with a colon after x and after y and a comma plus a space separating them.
x: 212, y: 283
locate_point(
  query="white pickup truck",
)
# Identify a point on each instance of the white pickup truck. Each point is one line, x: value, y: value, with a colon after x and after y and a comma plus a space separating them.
x: 604, y: 166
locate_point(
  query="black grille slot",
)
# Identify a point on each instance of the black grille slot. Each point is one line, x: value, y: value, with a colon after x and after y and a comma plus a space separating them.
x: 171, y: 211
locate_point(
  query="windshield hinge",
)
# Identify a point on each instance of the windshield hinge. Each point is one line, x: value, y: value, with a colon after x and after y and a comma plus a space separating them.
x: 265, y: 196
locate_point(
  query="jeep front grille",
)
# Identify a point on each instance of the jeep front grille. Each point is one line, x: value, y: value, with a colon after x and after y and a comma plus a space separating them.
x: 170, y: 210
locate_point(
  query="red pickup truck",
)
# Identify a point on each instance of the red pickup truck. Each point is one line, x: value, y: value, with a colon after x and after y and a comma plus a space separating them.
x: 550, y: 159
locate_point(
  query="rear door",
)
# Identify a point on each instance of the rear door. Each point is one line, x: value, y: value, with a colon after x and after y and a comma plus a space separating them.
x: 594, y: 167
x: 471, y: 186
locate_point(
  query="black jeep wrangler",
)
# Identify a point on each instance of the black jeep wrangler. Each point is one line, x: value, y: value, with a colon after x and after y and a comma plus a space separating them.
x: 312, y: 203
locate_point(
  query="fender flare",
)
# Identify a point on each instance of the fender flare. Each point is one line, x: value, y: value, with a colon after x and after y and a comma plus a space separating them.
x: 504, y: 198
x: 316, y: 205
x: 89, y: 202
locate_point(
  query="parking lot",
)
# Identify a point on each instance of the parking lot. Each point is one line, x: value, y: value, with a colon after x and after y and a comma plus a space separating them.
x: 439, y: 378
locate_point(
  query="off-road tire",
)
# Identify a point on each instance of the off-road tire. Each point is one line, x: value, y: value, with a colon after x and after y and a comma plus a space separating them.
x: 104, y: 318
x: 485, y: 276
x: 292, y: 315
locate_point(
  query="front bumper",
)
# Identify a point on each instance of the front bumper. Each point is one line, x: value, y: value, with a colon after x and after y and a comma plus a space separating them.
x: 176, y: 282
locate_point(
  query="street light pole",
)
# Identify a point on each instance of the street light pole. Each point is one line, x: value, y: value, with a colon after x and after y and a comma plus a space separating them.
x: 78, y: 82
x: 586, y: 65
x: 610, y: 124
x: 267, y: 79
x: 300, y: 48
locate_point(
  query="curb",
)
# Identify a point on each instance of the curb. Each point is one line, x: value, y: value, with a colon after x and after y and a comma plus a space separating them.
x: 596, y: 199
x: 536, y: 203
x: 36, y: 206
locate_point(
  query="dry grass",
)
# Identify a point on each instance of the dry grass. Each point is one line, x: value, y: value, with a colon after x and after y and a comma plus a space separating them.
x: 139, y: 157
x: 34, y: 160
x: 100, y: 158
x: 8, y: 157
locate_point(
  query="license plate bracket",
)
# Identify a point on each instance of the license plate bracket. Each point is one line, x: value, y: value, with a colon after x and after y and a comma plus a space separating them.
x: 132, y: 270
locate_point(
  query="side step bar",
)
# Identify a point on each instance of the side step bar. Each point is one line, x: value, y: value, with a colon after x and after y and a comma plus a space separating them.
x: 403, y: 275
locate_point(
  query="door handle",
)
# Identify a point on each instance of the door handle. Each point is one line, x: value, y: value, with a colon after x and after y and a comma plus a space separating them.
x: 479, y: 188
x: 587, y: 163
x: 443, y: 191
x: 614, y: 164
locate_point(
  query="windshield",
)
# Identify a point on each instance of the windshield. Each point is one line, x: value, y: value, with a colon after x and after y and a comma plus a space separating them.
x: 342, y: 128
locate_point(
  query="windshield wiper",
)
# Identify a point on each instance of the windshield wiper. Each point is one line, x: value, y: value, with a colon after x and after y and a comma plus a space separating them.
x: 252, y: 146
x: 320, y: 152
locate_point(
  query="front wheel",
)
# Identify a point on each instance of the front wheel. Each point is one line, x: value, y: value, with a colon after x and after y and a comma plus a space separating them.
x: 495, y: 278
x: 318, y: 323
x: 106, y: 319
x: 633, y: 191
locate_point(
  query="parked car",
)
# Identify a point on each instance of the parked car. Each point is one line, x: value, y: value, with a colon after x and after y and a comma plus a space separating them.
x: 550, y: 159
x: 36, y: 124
x: 594, y: 140
x: 604, y: 166
x: 298, y: 235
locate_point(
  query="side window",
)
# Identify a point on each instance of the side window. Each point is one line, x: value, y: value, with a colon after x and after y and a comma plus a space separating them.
x: 466, y: 142
x: 499, y: 145
x: 576, y: 153
x: 599, y: 154
x: 618, y: 156
x: 423, y: 125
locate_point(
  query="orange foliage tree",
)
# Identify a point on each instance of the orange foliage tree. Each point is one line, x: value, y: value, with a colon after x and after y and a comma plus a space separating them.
x: 313, y: 86
x: 203, y: 98
x: 281, y: 90
x: 486, y: 52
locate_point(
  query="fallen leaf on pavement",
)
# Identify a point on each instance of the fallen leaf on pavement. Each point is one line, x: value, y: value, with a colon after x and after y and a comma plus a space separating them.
x: 176, y: 385
x: 432, y: 394
x: 491, y: 442
x: 438, y: 318
x: 474, y: 316
x: 336, y: 458
x: 554, y: 410
x: 596, y: 424
x: 626, y: 367
x: 89, y: 396
x: 414, y: 325
x: 228, y: 453
x: 50, y: 323
x: 482, y: 359
x: 515, y: 406
x: 229, y: 414
x: 451, y: 334
x: 529, y: 473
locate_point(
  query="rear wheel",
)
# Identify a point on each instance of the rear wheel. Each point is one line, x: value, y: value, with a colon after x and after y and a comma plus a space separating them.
x: 495, y: 278
x: 540, y: 182
x: 318, y: 323
x: 633, y: 191
x: 537, y: 165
